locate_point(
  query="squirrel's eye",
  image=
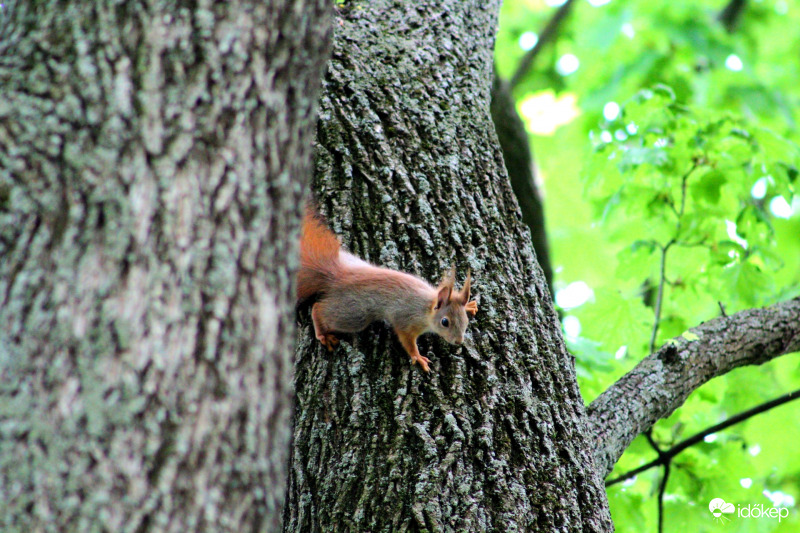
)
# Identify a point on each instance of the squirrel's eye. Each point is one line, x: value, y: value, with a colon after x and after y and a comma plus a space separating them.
x: 445, y: 322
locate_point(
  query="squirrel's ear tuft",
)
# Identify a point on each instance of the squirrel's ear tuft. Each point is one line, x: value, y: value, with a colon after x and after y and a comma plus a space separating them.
x: 449, y: 279
x: 464, y: 294
x: 446, y: 287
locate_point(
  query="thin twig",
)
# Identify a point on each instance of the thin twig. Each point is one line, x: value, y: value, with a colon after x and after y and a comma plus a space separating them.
x: 662, y: 486
x: 660, y: 294
x: 684, y: 179
x: 665, y: 249
x: 666, y: 456
x: 653, y: 444
x: 661, y: 489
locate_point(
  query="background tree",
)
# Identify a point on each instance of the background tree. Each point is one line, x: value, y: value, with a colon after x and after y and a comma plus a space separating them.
x: 152, y: 161
x: 728, y: 72
x: 369, y: 450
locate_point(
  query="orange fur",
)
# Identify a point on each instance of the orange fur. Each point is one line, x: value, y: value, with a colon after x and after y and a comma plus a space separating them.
x: 319, y: 257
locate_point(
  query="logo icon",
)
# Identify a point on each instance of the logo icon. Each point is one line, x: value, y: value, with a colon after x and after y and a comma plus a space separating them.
x: 719, y: 509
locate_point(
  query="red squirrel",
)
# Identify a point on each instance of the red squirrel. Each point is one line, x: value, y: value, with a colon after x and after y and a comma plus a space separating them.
x: 353, y: 294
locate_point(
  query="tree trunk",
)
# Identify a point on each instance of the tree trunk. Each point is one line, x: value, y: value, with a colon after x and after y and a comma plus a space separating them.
x: 410, y: 175
x: 152, y: 160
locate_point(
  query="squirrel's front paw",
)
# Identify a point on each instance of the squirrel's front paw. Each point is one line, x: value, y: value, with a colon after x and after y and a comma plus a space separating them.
x: 471, y: 307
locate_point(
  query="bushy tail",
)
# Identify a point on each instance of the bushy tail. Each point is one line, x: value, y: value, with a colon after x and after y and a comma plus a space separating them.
x: 319, y: 257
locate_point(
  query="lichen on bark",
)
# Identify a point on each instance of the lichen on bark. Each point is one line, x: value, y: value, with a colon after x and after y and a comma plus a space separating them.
x: 152, y: 160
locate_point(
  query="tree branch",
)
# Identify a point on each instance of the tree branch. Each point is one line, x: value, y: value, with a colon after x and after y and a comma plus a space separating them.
x: 664, y: 457
x: 662, y: 488
x: 545, y: 37
x: 518, y: 159
x: 731, y: 14
x: 664, y: 249
x: 661, y: 382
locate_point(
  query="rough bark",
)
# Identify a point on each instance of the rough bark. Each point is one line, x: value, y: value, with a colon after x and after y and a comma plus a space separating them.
x: 410, y: 175
x: 661, y: 382
x: 518, y: 159
x: 152, y: 160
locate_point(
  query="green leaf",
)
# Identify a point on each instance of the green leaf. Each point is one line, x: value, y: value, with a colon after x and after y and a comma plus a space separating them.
x: 707, y: 187
x: 616, y: 320
x: 636, y: 156
x: 752, y: 224
x: 727, y: 252
x: 746, y: 282
x: 636, y: 261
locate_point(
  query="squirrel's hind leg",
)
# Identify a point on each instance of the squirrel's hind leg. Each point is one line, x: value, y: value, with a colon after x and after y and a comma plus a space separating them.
x: 322, y: 333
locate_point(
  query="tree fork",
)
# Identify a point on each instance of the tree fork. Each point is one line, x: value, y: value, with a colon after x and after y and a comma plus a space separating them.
x: 661, y: 382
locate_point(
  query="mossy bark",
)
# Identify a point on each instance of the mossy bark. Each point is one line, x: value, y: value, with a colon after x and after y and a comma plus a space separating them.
x: 152, y: 160
x: 410, y: 175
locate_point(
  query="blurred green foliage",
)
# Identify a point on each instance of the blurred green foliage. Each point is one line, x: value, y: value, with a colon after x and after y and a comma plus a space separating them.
x: 682, y: 136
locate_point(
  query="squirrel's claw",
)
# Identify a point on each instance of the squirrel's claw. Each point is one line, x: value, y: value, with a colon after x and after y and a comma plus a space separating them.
x: 328, y: 340
x: 423, y: 362
x: 471, y: 307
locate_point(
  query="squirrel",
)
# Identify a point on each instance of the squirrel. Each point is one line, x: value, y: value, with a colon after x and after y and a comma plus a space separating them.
x: 354, y: 293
